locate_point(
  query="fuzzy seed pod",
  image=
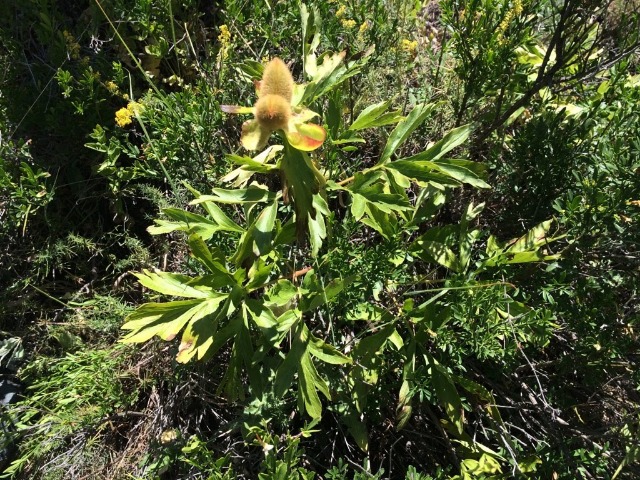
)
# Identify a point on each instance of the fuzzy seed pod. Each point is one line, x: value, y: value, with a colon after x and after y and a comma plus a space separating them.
x: 273, y: 112
x: 277, y: 80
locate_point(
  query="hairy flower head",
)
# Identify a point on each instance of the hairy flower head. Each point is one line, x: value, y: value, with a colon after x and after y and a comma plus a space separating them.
x: 274, y: 110
x: 277, y: 80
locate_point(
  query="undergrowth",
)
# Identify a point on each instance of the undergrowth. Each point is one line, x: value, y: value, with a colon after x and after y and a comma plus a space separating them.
x: 415, y: 257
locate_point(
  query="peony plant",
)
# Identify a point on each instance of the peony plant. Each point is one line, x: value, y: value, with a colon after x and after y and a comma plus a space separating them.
x: 276, y: 110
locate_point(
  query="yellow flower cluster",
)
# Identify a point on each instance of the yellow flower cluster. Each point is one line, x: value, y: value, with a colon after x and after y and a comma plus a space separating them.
x: 363, y: 28
x: 348, y: 23
x: 112, y: 87
x: 409, y: 46
x: 124, y: 115
x: 225, y: 35
x: 224, y: 38
x: 514, y: 11
x: 73, y: 47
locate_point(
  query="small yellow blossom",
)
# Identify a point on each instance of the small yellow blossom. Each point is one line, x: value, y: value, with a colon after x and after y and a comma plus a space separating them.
x: 363, y: 28
x: 341, y: 11
x: 409, y: 46
x: 112, y: 87
x: 517, y: 8
x: 73, y: 47
x: 348, y: 23
x: 513, y: 12
x: 225, y: 35
x: 135, y: 108
x: 124, y: 115
x: 225, y: 39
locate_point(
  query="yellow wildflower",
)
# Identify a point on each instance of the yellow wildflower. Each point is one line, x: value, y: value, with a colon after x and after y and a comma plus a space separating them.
x: 409, y: 46
x: 124, y: 115
x: 225, y: 35
x: 224, y: 38
x: 348, y: 23
x: 135, y: 108
x: 73, y: 47
x: 112, y: 87
x: 517, y: 7
x: 513, y: 12
x: 363, y: 28
x: 341, y: 11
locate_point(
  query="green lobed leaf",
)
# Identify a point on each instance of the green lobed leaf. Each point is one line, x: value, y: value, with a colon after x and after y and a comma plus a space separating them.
x: 289, y: 366
x: 468, y: 237
x: 308, y: 383
x: 310, y: 37
x: 258, y: 239
x: 307, y: 388
x: 428, y: 171
x: 281, y: 293
x: 447, y: 394
x: 326, y: 352
x: 369, y: 346
x: 533, y: 239
x: 375, y: 116
x: 484, y: 394
x: 383, y: 223
x: 403, y: 409
x: 451, y: 140
x: 358, y: 430
x: 320, y: 295
x: 173, y: 284
x: 216, y: 213
x: 211, y: 258
x: 435, y: 246
x: 405, y: 128
x: 167, y: 319
x: 206, y: 344
x: 317, y: 227
x: 237, y: 196
x: 385, y: 202
x: 186, y: 222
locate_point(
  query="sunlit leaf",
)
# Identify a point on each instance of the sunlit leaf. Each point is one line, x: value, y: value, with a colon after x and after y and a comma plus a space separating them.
x: 309, y: 383
x: 435, y: 245
x: 167, y: 319
x: 306, y: 136
x: 254, y: 137
x: 236, y: 109
x: 404, y: 129
x: 212, y: 259
x: 248, y: 195
x: 172, y: 284
x: 188, y: 222
x: 447, y: 394
x: 451, y: 140
x: 375, y: 116
x: 326, y: 352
